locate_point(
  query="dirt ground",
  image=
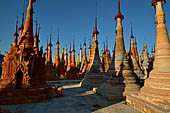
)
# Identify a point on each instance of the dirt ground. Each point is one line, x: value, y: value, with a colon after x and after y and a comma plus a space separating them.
x: 75, y: 100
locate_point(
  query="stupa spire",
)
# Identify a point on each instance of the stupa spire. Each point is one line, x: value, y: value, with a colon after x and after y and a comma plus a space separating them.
x: 36, y: 40
x: 50, y: 52
x: 57, y: 57
x: 131, y: 32
x: 66, y: 60
x: 69, y: 59
x: 46, y: 55
x: 145, y: 46
x: 28, y: 28
x: 131, y: 49
x: 84, y: 51
x: 153, y: 3
x: 95, y: 29
x: 107, y: 57
x: 58, y: 37
x: 119, y: 15
x: 16, y: 34
x: 73, y: 56
x: 136, y: 51
x: 80, y: 59
x: 22, y: 24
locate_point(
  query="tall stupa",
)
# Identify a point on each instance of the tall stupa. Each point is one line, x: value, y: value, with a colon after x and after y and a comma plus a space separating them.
x: 154, y: 96
x: 123, y: 81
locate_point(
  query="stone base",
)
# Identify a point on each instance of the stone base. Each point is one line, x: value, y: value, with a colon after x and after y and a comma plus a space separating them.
x: 147, y: 107
x: 116, y: 92
x: 92, y: 80
x: 29, y: 95
x: 72, y: 74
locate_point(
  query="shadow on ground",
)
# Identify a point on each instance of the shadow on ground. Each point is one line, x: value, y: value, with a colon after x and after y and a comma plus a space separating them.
x: 75, y: 100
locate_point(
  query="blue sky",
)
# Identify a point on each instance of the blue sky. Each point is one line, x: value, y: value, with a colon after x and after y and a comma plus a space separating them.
x: 75, y: 18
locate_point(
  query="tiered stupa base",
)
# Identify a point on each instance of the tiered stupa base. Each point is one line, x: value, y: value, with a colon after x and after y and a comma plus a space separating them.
x: 94, y: 77
x: 29, y: 95
x: 92, y: 80
x: 119, y: 86
x: 154, y: 97
x: 136, y: 67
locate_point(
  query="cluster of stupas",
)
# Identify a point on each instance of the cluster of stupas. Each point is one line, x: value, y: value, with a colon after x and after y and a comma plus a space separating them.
x: 115, y: 76
x: 23, y: 77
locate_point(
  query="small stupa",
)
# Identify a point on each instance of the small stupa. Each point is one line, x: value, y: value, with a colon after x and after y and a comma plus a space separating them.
x: 133, y: 60
x: 50, y: 70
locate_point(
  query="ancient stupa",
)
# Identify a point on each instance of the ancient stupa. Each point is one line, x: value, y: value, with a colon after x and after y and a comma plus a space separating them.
x: 23, y: 77
x: 72, y: 72
x: 154, y: 96
x: 57, y: 63
x: 123, y: 82
x: 132, y: 56
x: 50, y: 70
x: 84, y: 61
x: 107, y: 60
x: 136, y: 51
x: 94, y: 76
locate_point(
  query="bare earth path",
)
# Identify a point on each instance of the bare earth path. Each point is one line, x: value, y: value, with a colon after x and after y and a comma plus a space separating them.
x: 75, y: 100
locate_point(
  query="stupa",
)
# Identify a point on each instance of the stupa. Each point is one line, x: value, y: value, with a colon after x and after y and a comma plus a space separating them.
x: 84, y: 61
x: 94, y: 76
x: 23, y: 77
x: 72, y: 72
x: 57, y: 63
x: 50, y: 70
x: 123, y: 82
x: 154, y: 96
x: 133, y: 60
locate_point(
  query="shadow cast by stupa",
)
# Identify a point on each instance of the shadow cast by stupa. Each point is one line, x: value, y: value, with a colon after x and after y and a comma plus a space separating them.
x: 14, y: 94
x: 92, y: 100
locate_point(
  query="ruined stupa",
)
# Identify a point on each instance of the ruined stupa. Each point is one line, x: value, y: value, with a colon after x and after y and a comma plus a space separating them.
x: 23, y: 77
x: 154, y: 96
x: 124, y: 81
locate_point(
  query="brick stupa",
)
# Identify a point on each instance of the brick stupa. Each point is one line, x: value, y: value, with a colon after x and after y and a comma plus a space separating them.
x: 72, y: 72
x: 59, y: 66
x: 23, y: 77
x: 154, y: 97
x: 124, y: 82
x: 50, y: 70
x: 94, y: 76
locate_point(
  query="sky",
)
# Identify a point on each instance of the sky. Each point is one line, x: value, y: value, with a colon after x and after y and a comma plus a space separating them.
x: 75, y: 19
